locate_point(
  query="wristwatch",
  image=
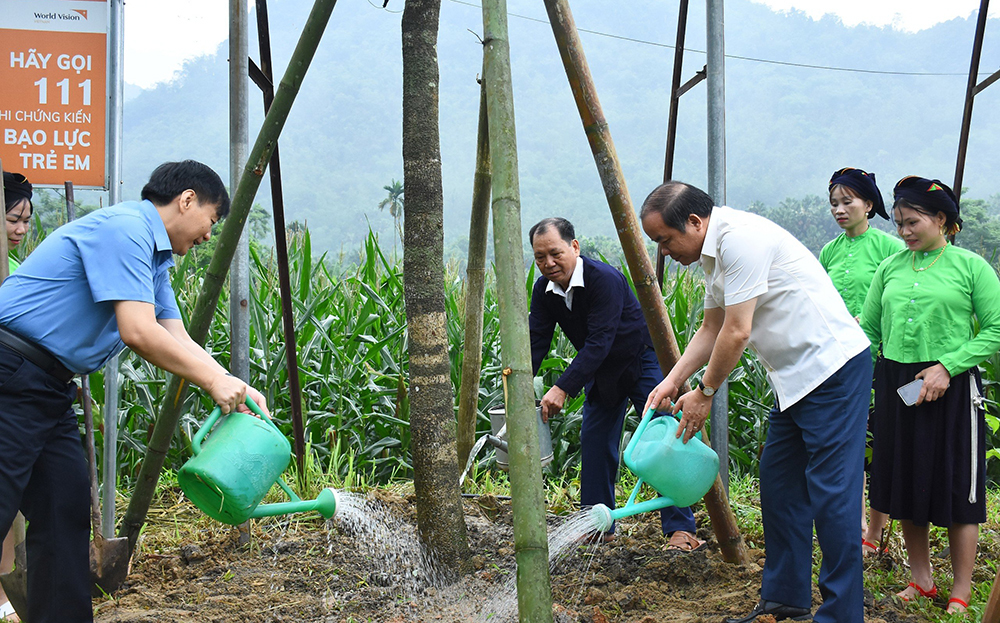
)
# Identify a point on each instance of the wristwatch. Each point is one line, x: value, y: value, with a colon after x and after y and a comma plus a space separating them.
x: 708, y: 390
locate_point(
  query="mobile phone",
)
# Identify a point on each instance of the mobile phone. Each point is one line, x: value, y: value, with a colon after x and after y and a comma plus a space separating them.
x: 910, y: 392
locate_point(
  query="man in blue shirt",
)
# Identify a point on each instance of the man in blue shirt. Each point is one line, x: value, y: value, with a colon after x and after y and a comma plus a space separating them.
x: 93, y: 287
x: 615, y: 361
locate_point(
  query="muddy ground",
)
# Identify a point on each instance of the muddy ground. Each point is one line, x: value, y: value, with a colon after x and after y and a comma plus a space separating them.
x: 189, y: 569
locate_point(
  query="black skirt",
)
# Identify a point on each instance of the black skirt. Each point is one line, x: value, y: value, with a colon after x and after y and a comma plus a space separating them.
x: 923, y: 460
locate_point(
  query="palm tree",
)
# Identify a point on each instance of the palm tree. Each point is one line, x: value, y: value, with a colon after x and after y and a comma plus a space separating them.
x: 394, y: 201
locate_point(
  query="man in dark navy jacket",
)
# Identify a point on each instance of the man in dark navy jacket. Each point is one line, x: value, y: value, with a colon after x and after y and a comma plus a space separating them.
x: 615, y: 361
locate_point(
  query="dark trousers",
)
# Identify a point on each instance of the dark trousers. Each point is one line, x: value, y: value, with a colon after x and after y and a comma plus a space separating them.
x: 43, y: 473
x: 600, y: 435
x: 812, y: 471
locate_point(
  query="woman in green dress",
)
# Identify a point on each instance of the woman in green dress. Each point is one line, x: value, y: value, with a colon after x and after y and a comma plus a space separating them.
x: 17, y: 204
x: 851, y: 259
x: 929, y: 457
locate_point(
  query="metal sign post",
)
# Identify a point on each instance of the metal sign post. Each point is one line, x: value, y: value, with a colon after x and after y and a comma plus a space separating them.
x: 116, y: 79
x: 716, y: 72
x: 239, y: 270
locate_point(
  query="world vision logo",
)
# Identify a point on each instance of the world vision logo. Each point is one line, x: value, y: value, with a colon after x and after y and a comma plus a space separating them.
x: 75, y: 16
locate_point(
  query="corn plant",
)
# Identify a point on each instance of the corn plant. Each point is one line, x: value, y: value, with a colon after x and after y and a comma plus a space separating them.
x: 353, y: 367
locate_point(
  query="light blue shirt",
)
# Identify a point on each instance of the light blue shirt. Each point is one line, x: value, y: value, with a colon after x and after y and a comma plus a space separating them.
x: 62, y: 297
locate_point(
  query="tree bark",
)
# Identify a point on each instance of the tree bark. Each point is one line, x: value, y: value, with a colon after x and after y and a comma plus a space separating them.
x: 629, y: 233
x: 215, y: 276
x: 475, y: 291
x: 440, y: 519
x: 531, y: 548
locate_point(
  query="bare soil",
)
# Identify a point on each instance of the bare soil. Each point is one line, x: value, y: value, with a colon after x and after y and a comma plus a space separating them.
x: 189, y: 569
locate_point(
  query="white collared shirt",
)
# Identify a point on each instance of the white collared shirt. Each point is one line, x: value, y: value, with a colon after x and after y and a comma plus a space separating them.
x: 802, y: 332
x: 575, y: 281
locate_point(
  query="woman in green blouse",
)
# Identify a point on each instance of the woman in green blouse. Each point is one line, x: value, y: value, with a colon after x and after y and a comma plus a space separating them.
x: 17, y: 204
x: 851, y: 259
x: 929, y: 459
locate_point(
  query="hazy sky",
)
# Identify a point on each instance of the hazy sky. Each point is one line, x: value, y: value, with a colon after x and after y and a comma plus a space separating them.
x: 191, y: 28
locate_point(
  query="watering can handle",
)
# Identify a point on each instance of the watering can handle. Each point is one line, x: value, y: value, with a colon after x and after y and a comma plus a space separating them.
x: 213, y: 417
x: 638, y: 432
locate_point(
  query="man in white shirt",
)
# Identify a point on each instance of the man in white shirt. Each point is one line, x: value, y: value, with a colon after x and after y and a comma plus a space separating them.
x: 764, y: 290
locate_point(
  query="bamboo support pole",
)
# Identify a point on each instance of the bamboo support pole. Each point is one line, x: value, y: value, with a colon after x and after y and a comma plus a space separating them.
x: 215, y: 276
x: 475, y: 290
x: 534, y: 593
x: 630, y: 234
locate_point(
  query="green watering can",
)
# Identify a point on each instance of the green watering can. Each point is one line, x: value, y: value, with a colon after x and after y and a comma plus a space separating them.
x: 682, y: 473
x: 244, y: 457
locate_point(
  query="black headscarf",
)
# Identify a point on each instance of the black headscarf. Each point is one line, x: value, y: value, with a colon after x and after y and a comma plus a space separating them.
x: 16, y: 188
x: 862, y: 183
x: 934, y: 195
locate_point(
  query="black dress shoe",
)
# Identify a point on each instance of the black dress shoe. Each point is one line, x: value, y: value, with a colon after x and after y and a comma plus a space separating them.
x: 778, y: 610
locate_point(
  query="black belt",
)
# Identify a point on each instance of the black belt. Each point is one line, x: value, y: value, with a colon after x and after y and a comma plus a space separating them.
x: 36, y: 355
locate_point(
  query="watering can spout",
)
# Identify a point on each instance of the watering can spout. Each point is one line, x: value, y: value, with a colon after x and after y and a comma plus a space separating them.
x: 325, y: 504
x: 496, y: 442
x: 600, y: 517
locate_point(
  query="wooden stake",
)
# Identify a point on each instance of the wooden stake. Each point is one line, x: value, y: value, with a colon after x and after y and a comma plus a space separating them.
x: 475, y: 290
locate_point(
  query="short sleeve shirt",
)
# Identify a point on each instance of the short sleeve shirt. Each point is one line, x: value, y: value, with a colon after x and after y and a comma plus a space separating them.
x: 13, y: 265
x: 802, y: 332
x: 927, y: 315
x: 62, y: 297
x: 851, y: 263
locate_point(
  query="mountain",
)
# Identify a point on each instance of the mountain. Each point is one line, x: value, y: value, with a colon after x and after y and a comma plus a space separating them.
x: 788, y: 127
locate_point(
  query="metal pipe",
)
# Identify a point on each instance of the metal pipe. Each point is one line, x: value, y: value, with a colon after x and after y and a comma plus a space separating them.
x: 116, y: 46
x: 970, y: 94
x: 675, y: 83
x: 239, y: 279
x: 716, y: 74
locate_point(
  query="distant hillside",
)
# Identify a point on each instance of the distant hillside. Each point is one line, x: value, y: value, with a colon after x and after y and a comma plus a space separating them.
x: 788, y: 127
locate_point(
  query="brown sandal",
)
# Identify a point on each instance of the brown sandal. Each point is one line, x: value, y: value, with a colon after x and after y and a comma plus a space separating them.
x: 681, y: 541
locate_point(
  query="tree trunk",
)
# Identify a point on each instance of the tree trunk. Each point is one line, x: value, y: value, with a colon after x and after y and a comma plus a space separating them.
x: 475, y: 290
x: 531, y: 547
x: 641, y: 268
x: 215, y: 276
x: 432, y: 421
